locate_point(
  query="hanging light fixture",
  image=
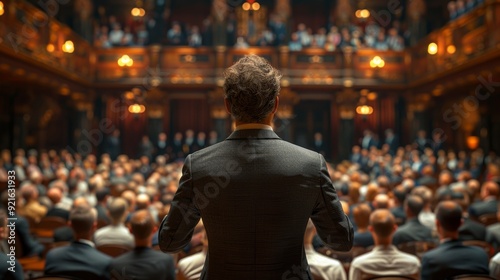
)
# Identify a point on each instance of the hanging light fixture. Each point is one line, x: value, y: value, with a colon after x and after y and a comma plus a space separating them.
x: 364, y: 110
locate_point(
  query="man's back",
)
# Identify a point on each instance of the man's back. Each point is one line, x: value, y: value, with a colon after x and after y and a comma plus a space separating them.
x: 143, y: 263
x: 453, y: 258
x: 255, y: 194
x: 77, y: 259
x: 384, y: 260
x: 114, y: 234
x: 413, y: 230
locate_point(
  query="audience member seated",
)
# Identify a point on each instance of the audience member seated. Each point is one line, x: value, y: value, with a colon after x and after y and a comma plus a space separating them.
x: 29, y: 245
x: 362, y: 236
x: 101, y: 206
x: 32, y: 208
x: 325, y: 267
x: 412, y: 230
x: 190, y: 267
x: 399, y: 199
x: 493, y: 233
x: 116, y: 233
x: 66, y: 234
x: 470, y: 229
x: 9, y: 269
x: 495, y: 266
x: 143, y: 262
x: 488, y: 203
x: 79, y: 259
x: 57, y: 209
x: 426, y: 216
x: 385, y: 258
x: 295, y: 44
x: 451, y: 257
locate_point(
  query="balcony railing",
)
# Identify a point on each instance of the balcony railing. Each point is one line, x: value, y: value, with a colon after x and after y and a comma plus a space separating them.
x: 29, y: 35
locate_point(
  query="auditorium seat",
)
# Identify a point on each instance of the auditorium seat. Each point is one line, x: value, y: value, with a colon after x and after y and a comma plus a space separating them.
x: 473, y: 277
x: 54, y: 245
x: 113, y: 250
x: 45, y: 228
x: 488, y: 219
x: 417, y: 248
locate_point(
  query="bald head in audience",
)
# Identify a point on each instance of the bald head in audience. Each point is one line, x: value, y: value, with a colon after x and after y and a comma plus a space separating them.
x: 381, y: 201
x: 382, y: 226
x: 489, y: 189
x: 55, y: 195
x: 413, y: 205
x: 118, y: 211
x: 143, y: 201
x: 83, y: 221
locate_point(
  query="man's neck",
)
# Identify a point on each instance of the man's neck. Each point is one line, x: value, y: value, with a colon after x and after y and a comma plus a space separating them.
x: 143, y: 243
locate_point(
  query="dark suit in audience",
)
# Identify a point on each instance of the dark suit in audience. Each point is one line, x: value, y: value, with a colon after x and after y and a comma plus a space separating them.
x: 452, y: 258
x: 364, y: 239
x: 413, y: 230
x: 30, y: 246
x: 143, y: 263
x: 483, y: 207
x: 63, y: 234
x: 58, y: 212
x: 6, y: 273
x: 78, y: 259
x: 471, y: 230
x: 493, y: 235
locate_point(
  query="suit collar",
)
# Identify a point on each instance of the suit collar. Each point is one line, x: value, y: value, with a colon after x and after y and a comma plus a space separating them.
x: 253, y: 133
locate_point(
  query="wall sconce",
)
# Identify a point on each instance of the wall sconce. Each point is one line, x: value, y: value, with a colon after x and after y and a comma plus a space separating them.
x: 68, y: 47
x: 136, y: 108
x: 377, y: 62
x: 451, y: 49
x: 472, y: 142
x: 138, y: 12
x: 432, y: 49
x: 250, y: 5
x: 2, y: 11
x: 364, y: 110
x: 362, y: 14
x: 125, y: 60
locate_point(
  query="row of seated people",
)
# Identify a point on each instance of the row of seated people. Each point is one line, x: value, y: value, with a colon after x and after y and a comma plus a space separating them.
x: 81, y: 260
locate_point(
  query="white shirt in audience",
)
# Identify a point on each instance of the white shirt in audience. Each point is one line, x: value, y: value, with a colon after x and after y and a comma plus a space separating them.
x: 327, y: 268
x: 495, y: 266
x: 192, y: 266
x: 384, y: 260
x: 114, y: 235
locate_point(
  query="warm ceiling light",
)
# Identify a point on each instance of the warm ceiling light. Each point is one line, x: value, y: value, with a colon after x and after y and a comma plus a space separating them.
x: 364, y: 13
x: 377, y: 62
x: 2, y: 11
x: 246, y: 6
x: 142, y: 12
x: 472, y: 142
x: 136, y: 108
x: 125, y: 60
x: 371, y: 96
x: 432, y: 49
x: 364, y: 110
x: 358, y: 13
x: 135, y: 12
x: 255, y: 6
x: 451, y: 49
x: 68, y: 47
x: 51, y: 48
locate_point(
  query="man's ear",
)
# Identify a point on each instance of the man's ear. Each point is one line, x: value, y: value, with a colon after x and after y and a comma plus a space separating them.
x: 227, y: 105
x: 276, y: 104
x: 155, y: 229
x: 370, y: 228
x: 395, y: 228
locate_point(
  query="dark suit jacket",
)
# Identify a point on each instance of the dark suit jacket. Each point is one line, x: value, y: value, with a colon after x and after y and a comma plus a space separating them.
x: 102, y: 213
x: 78, y: 259
x: 64, y: 234
x: 412, y: 230
x: 255, y: 193
x: 6, y: 272
x: 483, y: 207
x: 451, y: 259
x: 58, y: 212
x: 471, y: 230
x: 143, y: 264
x: 30, y: 246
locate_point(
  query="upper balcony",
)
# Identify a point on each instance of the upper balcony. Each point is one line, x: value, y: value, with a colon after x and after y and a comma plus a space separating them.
x: 36, y: 47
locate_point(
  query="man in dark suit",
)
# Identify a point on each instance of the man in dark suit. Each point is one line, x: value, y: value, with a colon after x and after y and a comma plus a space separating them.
x: 452, y: 258
x: 392, y: 141
x: 143, y: 262
x: 412, y: 230
x: 10, y: 268
x: 488, y: 203
x: 254, y: 191
x: 80, y: 259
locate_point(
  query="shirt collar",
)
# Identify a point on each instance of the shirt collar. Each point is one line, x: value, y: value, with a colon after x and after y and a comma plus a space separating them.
x: 87, y: 242
x: 253, y: 126
x: 384, y: 248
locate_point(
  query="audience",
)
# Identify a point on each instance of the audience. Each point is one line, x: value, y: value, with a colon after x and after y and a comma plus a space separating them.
x: 451, y: 257
x: 79, y: 259
x: 190, y: 267
x: 116, y: 233
x: 32, y: 208
x: 143, y: 263
x: 320, y: 265
x: 385, y: 258
x: 9, y: 269
x: 489, y: 200
x: 362, y: 236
